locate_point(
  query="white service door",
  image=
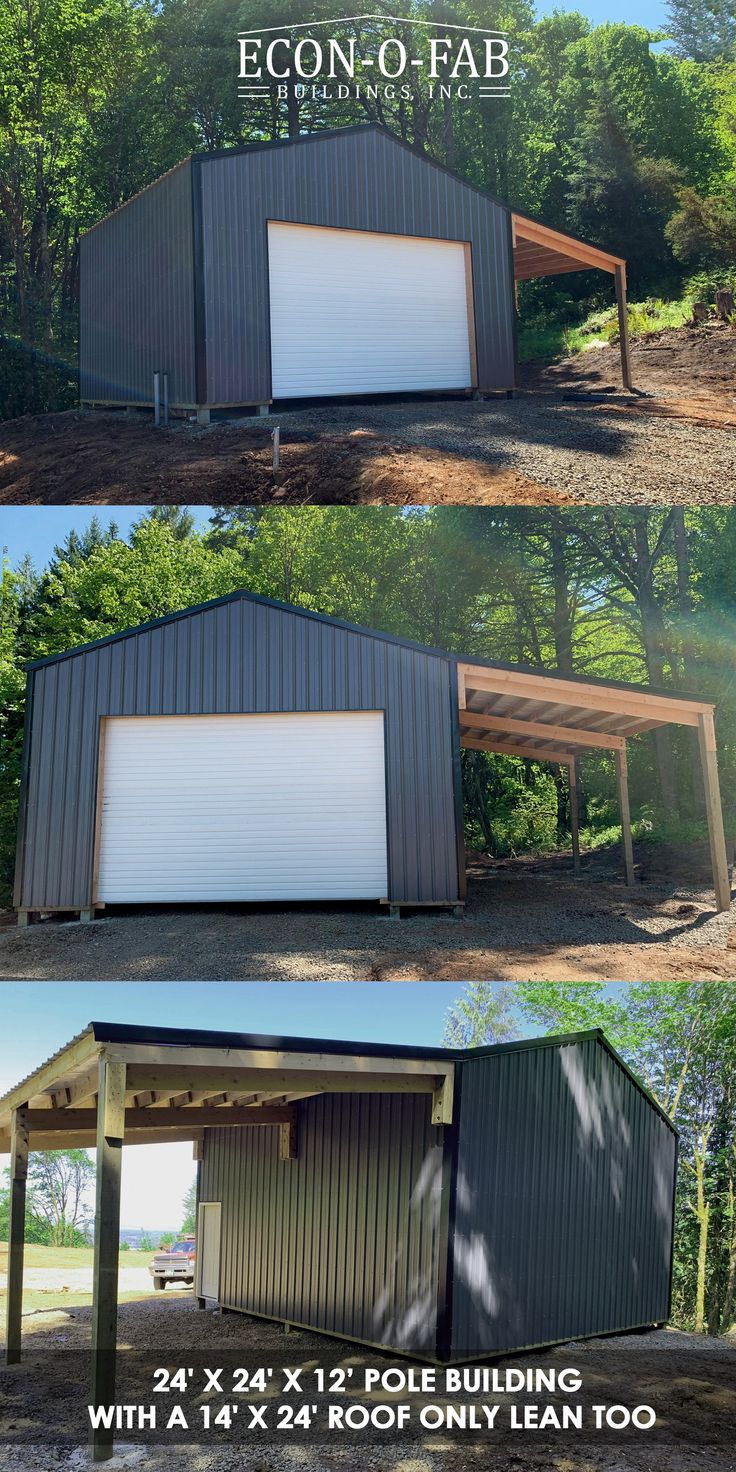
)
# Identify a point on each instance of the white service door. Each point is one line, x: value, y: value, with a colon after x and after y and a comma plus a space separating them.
x: 243, y: 807
x: 354, y: 312
x: 207, y: 1260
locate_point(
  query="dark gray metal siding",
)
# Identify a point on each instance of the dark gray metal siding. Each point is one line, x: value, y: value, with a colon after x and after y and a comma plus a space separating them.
x: 563, y: 1219
x: 238, y: 656
x: 137, y: 297
x: 345, y: 1237
x: 361, y: 181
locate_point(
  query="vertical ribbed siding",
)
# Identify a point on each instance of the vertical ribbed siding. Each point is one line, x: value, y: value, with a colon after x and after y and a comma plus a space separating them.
x: 240, y: 656
x: 361, y: 181
x: 345, y: 1237
x: 564, y: 1201
x: 136, y: 309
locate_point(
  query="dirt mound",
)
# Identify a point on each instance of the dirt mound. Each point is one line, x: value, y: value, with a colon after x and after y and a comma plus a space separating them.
x: 689, y: 371
x: 85, y: 458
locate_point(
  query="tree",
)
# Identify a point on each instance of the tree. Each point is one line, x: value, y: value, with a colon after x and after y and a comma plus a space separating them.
x: 704, y: 229
x: 60, y: 1183
x: 482, y: 1014
x: 189, y: 1209
x: 680, y: 1039
x: 702, y: 29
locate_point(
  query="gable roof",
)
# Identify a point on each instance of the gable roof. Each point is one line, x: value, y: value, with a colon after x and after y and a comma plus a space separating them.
x: 97, y: 1034
x: 340, y: 623
x: 204, y: 156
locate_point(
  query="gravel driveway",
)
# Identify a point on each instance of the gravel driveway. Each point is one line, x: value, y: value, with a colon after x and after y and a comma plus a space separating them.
x: 689, y: 1380
x: 594, y: 452
x: 79, y: 1280
x: 523, y: 921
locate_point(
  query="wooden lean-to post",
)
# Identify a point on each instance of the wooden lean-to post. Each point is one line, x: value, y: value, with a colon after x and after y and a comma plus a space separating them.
x: 16, y: 1232
x: 110, y: 1135
x: 622, y: 779
x: 714, y: 814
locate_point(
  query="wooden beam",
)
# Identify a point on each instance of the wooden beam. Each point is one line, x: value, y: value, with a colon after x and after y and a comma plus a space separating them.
x: 16, y: 1234
x: 73, y: 1139
x: 572, y: 773
x: 177, y: 1078
x: 78, y: 1092
x: 663, y: 709
x: 260, y: 1061
x: 48, y: 1120
x: 579, y: 250
x: 487, y: 721
x: 622, y: 779
x: 50, y: 1075
x: 623, y: 327
x: 287, y: 1140
x: 535, y: 753
x: 714, y: 812
x: 443, y: 1099
x: 110, y: 1136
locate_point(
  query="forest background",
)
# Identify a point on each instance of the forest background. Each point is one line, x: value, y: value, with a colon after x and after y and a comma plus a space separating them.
x: 680, y: 1040
x: 625, y: 136
x: 644, y: 595
x: 678, y: 1037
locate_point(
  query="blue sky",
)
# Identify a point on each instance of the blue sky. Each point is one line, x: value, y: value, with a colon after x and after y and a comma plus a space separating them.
x: 38, y: 529
x: 650, y: 13
x: 40, y: 1017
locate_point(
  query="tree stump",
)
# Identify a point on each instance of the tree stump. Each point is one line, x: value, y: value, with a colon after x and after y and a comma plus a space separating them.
x: 725, y: 307
x: 700, y: 313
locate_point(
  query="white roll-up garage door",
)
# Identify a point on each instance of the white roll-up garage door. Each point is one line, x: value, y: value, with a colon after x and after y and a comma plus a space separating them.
x: 243, y: 807
x: 356, y: 312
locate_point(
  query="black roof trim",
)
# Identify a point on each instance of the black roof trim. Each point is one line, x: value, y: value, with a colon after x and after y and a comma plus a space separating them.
x: 123, y: 1032
x: 248, y: 597
x: 426, y: 158
x: 150, y: 1034
x: 341, y: 623
x: 204, y: 155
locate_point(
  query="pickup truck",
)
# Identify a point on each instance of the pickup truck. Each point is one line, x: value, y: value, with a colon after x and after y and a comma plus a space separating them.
x: 175, y: 1264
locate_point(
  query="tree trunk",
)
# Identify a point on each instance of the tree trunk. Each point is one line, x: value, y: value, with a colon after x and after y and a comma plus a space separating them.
x: 563, y: 637
x: 702, y: 1213
x: 684, y: 599
x: 654, y: 640
x: 728, y: 1315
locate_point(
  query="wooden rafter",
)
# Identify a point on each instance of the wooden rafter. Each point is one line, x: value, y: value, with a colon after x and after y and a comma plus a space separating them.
x: 568, y: 735
x: 579, y: 716
x: 537, y: 242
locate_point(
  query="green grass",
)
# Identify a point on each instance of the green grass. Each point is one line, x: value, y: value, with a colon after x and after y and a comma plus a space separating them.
x: 36, y: 1256
x: 547, y: 341
x: 50, y: 1300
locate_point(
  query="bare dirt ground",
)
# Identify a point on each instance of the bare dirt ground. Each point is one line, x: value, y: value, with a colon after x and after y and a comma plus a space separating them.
x: 525, y: 920
x: 689, y: 1381
x: 570, y: 436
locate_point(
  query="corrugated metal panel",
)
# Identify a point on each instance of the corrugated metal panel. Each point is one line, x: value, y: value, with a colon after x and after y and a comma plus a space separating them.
x: 239, y: 657
x: 136, y: 310
x: 360, y: 181
x: 395, y: 309
x: 564, y: 1203
x: 243, y: 807
x: 345, y: 1237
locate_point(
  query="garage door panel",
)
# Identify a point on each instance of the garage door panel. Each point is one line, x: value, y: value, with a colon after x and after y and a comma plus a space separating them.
x: 357, y: 312
x: 243, y: 807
